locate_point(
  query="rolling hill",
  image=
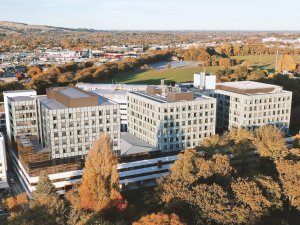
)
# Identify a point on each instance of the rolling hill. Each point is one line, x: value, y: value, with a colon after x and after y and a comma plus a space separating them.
x: 23, y: 28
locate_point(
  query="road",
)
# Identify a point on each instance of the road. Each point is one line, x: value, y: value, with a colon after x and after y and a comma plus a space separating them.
x: 16, y: 187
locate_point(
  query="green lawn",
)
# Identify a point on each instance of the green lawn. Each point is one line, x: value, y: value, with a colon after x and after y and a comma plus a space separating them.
x: 154, y: 76
x: 264, y: 62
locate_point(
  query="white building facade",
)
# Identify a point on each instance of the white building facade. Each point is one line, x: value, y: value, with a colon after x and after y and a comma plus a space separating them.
x: 171, y: 120
x: 251, y: 104
x: 54, y: 132
x: 3, y: 164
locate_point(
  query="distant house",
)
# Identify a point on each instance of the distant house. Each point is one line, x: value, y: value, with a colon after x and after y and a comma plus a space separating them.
x: 12, y: 71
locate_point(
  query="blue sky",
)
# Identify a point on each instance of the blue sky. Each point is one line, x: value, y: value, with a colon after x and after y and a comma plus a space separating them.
x: 156, y: 14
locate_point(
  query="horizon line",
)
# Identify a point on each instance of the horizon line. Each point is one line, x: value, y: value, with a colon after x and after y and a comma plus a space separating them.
x: 160, y: 30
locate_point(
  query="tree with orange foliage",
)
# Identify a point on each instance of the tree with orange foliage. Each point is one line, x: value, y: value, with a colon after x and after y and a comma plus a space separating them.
x: 100, y: 181
x: 205, y: 191
x: 158, y: 219
x: 13, y: 204
x: 270, y: 142
x: 33, y: 70
x: 289, y: 174
x: 287, y: 63
x: 225, y: 62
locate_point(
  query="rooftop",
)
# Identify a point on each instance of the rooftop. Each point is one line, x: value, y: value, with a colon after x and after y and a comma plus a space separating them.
x: 248, y: 87
x: 128, y: 87
x: 74, y: 93
x: 21, y: 98
x: 32, y: 142
x: 19, y: 91
x: 72, y: 97
x: 70, y: 92
x: 133, y: 145
x: 110, y: 92
x: 53, y: 104
x: 161, y: 99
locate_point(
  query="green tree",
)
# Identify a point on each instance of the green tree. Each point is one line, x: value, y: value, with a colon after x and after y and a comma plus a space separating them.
x: 44, y: 186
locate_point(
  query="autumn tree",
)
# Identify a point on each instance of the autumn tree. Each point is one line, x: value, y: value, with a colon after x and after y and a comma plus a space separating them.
x: 179, y: 190
x: 251, y: 197
x: 76, y: 214
x: 33, y: 70
x: 286, y: 63
x: 159, y: 219
x: 212, y: 144
x: 45, y: 208
x: 289, y: 174
x: 241, y: 135
x: 14, y: 204
x: 100, y: 180
x: 256, y: 75
x: 66, y: 78
x: 271, y: 189
x: 203, y: 190
x: 225, y: 62
x: 85, y: 75
x: 270, y: 142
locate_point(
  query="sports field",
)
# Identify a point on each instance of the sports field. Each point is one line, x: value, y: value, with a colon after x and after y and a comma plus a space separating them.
x: 185, y: 74
x: 263, y: 62
x: 154, y: 76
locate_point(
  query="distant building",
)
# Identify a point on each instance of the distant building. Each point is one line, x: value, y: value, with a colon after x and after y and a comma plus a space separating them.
x: 58, y: 55
x: 11, y: 70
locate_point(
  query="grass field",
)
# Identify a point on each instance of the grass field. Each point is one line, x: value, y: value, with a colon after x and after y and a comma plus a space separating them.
x: 154, y: 76
x: 264, y: 62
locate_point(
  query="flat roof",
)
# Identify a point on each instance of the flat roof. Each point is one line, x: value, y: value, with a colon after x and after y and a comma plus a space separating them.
x: 157, y: 98
x: 32, y: 141
x: 71, y: 92
x: 18, y: 91
x: 112, y: 86
x: 54, y: 104
x: 130, y: 144
x: 160, y: 99
x: 21, y: 98
x: 248, y: 87
x: 110, y: 92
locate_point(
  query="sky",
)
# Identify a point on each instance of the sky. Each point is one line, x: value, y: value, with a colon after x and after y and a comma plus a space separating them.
x: 156, y: 14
